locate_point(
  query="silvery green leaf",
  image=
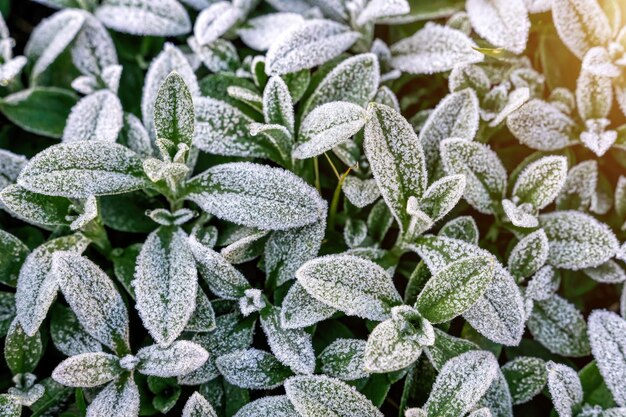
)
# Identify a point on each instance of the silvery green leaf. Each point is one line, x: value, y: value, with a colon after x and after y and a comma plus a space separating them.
x: 93, y: 49
x: 179, y: 358
x: 314, y: 395
x: 541, y: 125
x: 598, y: 62
x: 144, y: 17
x: 13, y: 253
x: 334, y: 9
x: 87, y: 370
x: 51, y: 37
x: 469, y: 76
x: 543, y: 284
x: 609, y: 272
x: 135, y: 136
x: 560, y: 327
x: 514, y: 101
x: 11, y: 69
x: 256, y: 195
x: 218, y: 56
x: 119, y: 398
x: 577, y: 240
x: 354, y: 80
x: 540, y: 182
x: 442, y: 196
x: 390, y: 348
x: 203, y: 318
x: 174, y: 117
x: 309, y: 45
x: 376, y: 9
x: 594, y: 96
x: 271, y: 406
x: 396, y: 158
x: 260, y: 32
x: 350, y: 284
x: 607, y: 334
x: 344, y: 359
x: 36, y: 286
x: 385, y: 96
x: 21, y: 351
x: 198, y: 406
x: 299, y: 309
x: 521, y: 216
x: 463, y: 228
x: 215, y: 21
x: 433, y: 49
x: 484, y: 173
x: 580, y: 186
x: 278, y: 104
x: 581, y: 24
x: 97, y: 116
x: 461, y: 383
x: 354, y: 232
x: 246, y: 248
x: 83, y: 168
x: 252, y: 369
x: 9, y: 406
x: 502, y: 23
x: 94, y: 299
x: 565, y: 389
x: 529, y: 254
x: 10, y: 166
x: 526, y: 377
x: 327, y: 126
x: 292, y: 347
x: 165, y: 283
x: 596, y: 138
x: 497, y: 400
x: 360, y: 193
x: 68, y: 335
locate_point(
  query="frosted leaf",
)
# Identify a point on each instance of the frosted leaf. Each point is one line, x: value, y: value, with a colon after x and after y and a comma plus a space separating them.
x: 203, y: 318
x: 484, y: 174
x: 415, y: 412
x: 215, y: 21
x: 594, y: 96
x: 197, y: 5
x: 309, y: 45
x: 596, y: 138
x: 85, y: 84
x: 174, y: 117
x: 314, y: 396
x: 246, y: 95
x: 354, y: 80
x: 119, y: 398
x: 609, y: 272
x: 387, y: 97
x: 597, y: 61
x: 218, y: 56
x: 461, y: 383
x: 36, y: 286
x: 38, y: 209
x: 68, y: 335
x: 538, y: 6
x: 581, y: 25
x: 469, y: 76
x: 252, y: 302
x: 607, y: 334
x: 93, y: 49
x: 165, y: 283
x: 396, y: 158
x: 559, y: 326
x: 360, y: 193
x: 180, y: 358
x: 521, y: 216
x: 144, y: 17
x: 111, y: 76
x: 540, y: 181
x: 382, y: 8
x: 97, y: 116
x: 442, y: 196
x: 503, y: 23
x: 541, y: 125
x: 328, y: 126
x: 94, y: 299
x: 577, y: 240
x: 246, y: 248
x: 543, y: 284
x: 390, y: 347
x: 354, y: 232
x: 278, y: 104
x: 83, y: 168
x: 580, y: 186
x: 526, y: 377
x: 261, y: 32
x: 11, y: 69
x: 198, y: 406
x: 564, y: 386
x: 481, y: 412
x: 497, y: 400
x: 252, y: 369
x: 334, y: 9
x: 87, y: 370
x: 529, y: 254
x: 343, y: 359
x: 170, y: 59
x: 256, y: 195
x: 299, y: 309
x: 51, y: 37
x: 272, y: 406
x: 463, y: 228
x: 514, y: 101
x: 433, y: 49
x: 11, y: 164
x: 10, y: 407
x: 356, y: 286
x: 22, y: 352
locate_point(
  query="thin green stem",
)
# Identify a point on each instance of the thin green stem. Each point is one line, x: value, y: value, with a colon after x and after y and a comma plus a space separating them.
x: 332, y: 215
x: 330, y: 161
x: 316, y: 168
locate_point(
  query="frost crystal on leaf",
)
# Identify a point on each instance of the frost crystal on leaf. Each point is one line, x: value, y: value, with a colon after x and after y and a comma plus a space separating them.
x: 262, y: 31
x: 594, y: 96
x: 542, y: 126
x: 198, y: 406
x: 252, y: 369
x: 343, y: 359
x: 530, y: 254
x: 564, y: 387
x: 119, y: 398
x: 526, y: 376
x: 87, y: 370
x: 180, y: 358
x: 360, y: 193
x: 540, y: 182
x: 543, y: 284
x: 581, y: 24
x: 95, y: 117
x: 504, y: 23
x: 300, y: 309
x: 145, y: 17
x: 274, y: 406
x: 609, y: 272
x: 214, y: 21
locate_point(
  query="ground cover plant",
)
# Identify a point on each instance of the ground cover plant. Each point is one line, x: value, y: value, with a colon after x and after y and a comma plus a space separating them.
x: 312, y: 208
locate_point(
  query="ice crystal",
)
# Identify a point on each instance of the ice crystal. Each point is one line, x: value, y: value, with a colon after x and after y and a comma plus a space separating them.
x: 360, y: 193
x: 594, y: 96
x: 95, y: 117
x: 609, y: 272
x: 526, y: 377
x: 343, y: 359
x: 68, y: 335
x: 442, y: 196
x: 145, y: 17
x: 119, y: 398
x: 503, y: 23
x: 543, y: 284
x: 93, y: 49
x: 376, y: 9
x: 278, y: 104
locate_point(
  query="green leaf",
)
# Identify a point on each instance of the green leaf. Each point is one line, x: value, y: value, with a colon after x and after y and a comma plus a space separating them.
x: 87, y: 370
x: 252, y: 369
x: 447, y: 347
x: 120, y: 398
x: 13, y: 253
x: 565, y: 388
x: 198, y: 406
x: 203, y: 318
x: 594, y: 387
x: 442, y: 196
x: 7, y: 311
x: 463, y: 228
x: 174, y: 117
x: 278, y: 104
x: 300, y: 309
x: 271, y: 406
x: 68, y: 335
x: 35, y: 208
x: 22, y: 352
x: 391, y: 347
x: 343, y: 359
x: 177, y: 359
x: 530, y: 254
x: 526, y: 377
x: 540, y: 182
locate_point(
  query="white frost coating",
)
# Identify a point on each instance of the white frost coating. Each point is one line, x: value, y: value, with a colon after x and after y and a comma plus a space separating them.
x: 328, y: 126
x: 97, y: 116
x: 382, y: 8
x: 180, y: 358
x: 93, y: 297
x: 119, y: 398
x: 272, y: 406
x: 598, y: 62
x: 530, y: 254
x: 609, y: 272
x: 165, y: 283
x: 11, y: 164
x: 540, y: 182
x: 389, y: 349
x: 607, y: 334
x: 521, y: 216
x: 244, y: 249
x: 540, y: 125
x: 293, y: 347
x: 87, y: 370
x: 565, y: 389
x: 198, y: 406
x: 111, y: 76
x: 504, y: 23
x: 313, y: 43
x: 543, y: 284
x: 93, y: 49
x: 442, y: 196
x: 261, y: 32
x: 360, y: 193
x: 136, y: 136
x: 215, y: 21
x: 581, y: 183
x: 484, y: 173
x: 354, y: 285
x: 278, y: 104
x: 145, y: 17
x: 461, y: 383
x: 252, y: 369
x: 433, y: 49
x: 11, y: 69
x: 538, y: 6
x: 577, y: 240
x: 596, y: 138
x: 514, y: 101
x: 530, y: 376
x: 343, y: 359
x: 89, y: 212
x: 299, y: 309
x: 594, y: 96
x: 256, y: 195
x: 36, y: 285
x: 314, y: 396
x: 82, y: 169
x: 68, y: 335
x: 581, y: 24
